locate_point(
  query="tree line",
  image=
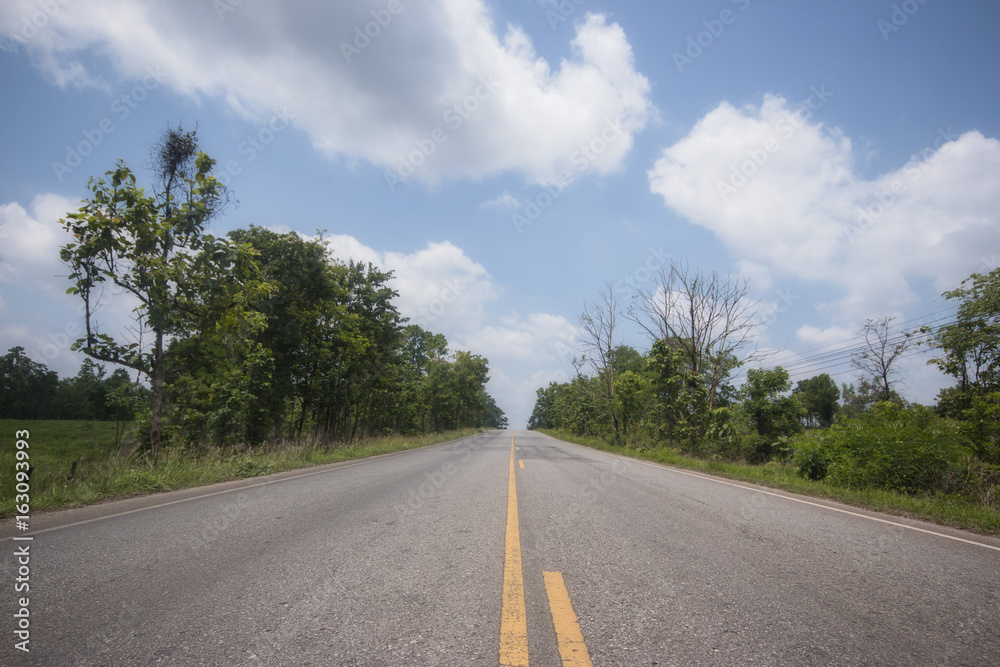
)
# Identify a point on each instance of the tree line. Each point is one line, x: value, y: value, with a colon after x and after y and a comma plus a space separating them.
x: 257, y: 336
x: 681, y: 391
x: 29, y: 390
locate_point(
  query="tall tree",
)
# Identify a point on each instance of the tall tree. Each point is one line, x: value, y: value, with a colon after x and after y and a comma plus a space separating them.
x: 149, y: 247
x: 711, y: 318
x: 680, y: 395
x: 971, y: 344
x: 818, y: 396
x: 27, y: 388
x: 599, y: 322
x: 771, y: 412
x: 878, y: 355
x: 971, y: 354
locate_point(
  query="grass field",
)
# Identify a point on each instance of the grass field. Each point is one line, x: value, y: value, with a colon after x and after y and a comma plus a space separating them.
x: 956, y: 511
x: 107, y: 470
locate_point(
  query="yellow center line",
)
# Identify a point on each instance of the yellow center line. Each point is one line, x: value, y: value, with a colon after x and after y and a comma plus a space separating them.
x: 572, y: 648
x: 521, y: 462
x: 513, y: 619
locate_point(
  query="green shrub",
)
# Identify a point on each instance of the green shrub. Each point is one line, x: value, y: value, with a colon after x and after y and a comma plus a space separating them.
x: 809, y: 456
x: 889, y: 447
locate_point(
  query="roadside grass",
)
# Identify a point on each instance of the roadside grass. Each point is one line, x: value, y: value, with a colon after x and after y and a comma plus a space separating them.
x: 106, y: 470
x: 956, y: 511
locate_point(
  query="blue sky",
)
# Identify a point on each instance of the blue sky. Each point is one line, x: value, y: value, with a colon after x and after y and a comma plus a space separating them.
x: 506, y: 160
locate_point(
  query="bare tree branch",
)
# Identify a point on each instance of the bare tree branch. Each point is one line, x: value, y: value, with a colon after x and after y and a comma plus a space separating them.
x: 599, y: 322
x: 881, y: 349
x: 709, y: 317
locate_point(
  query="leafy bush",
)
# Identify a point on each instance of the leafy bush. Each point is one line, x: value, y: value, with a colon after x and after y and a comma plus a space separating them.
x: 889, y: 447
x: 810, y: 456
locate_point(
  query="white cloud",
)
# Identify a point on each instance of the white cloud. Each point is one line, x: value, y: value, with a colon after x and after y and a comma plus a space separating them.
x: 31, y: 242
x: 39, y: 315
x: 505, y: 200
x: 827, y: 337
x: 443, y: 290
x: 345, y: 247
x: 784, y: 194
x: 518, y: 397
x: 540, y: 337
x: 440, y: 287
x: 436, y: 89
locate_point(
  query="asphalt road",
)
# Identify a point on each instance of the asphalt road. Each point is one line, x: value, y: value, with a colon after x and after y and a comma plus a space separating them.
x: 402, y: 560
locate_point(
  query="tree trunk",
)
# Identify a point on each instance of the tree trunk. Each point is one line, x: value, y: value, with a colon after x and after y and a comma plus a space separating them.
x: 156, y: 402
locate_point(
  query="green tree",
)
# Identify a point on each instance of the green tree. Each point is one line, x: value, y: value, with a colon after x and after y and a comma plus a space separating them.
x: 306, y: 323
x: 83, y: 396
x: 543, y: 414
x: 818, y: 396
x: 493, y: 415
x: 971, y: 354
x: 631, y: 391
x: 772, y: 413
x: 27, y: 388
x: 971, y: 344
x: 152, y: 248
x: 857, y: 400
x: 710, y: 318
x: 680, y: 395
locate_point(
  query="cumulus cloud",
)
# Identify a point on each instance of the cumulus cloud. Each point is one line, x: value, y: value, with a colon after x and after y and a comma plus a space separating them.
x: 440, y: 287
x: 433, y: 91
x: 504, y: 200
x: 783, y: 192
x: 31, y: 242
x: 33, y: 283
x: 539, y: 337
x: 444, y: 290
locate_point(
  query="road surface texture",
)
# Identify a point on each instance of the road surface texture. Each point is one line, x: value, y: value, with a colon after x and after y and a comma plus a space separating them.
x: 490, y: 550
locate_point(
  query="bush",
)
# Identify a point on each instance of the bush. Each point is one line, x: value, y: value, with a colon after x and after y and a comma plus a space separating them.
x: 889, y: 447
x: 809, y: 455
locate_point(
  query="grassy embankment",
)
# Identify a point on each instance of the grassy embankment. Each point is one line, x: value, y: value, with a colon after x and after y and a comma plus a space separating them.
x: 956, y: 511
x: 105, y: 471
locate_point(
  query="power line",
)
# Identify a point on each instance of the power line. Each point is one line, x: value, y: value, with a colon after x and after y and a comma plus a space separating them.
x: 894, y: 326
x: 896, y: 334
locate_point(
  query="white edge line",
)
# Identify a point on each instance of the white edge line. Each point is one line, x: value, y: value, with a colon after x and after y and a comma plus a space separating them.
x: 348, y: 464
x: 662, y: 466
